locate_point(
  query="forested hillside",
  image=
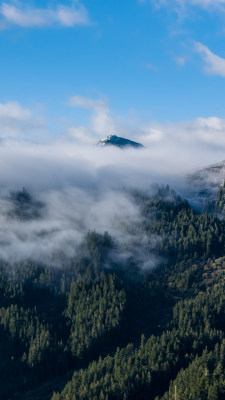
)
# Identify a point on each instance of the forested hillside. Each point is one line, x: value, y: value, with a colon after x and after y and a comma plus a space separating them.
x: 101, y: 326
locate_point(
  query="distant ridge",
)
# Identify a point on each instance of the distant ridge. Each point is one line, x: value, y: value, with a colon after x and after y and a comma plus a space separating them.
x: 113, y: 140
x: 203, y: 184
x: 208, y: 177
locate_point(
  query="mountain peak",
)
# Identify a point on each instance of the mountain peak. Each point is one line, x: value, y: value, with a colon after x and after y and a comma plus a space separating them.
x: 113, y: 140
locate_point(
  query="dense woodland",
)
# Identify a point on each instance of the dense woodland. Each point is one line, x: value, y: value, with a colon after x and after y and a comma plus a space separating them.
x: 91, y: 329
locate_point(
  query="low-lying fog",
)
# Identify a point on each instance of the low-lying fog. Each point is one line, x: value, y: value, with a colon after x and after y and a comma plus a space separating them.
x: 79, y: 187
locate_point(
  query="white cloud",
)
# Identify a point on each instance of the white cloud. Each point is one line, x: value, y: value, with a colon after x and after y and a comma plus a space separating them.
x: 168, y: 146
x: 18, y: 121
x: 101, y: 123
x: 214, y: 64
x: 207, y: 131
x: 201, y: 137
x: 16, y: 13
x: 14, y: 110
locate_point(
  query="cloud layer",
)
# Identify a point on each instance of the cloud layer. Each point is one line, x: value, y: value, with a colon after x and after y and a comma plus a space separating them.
x: 165, y: 144
x: 25, y: 16
x: 83, y: 186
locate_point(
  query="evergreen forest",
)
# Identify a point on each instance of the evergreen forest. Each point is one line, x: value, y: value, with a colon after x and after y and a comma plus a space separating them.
x: 99, y: 327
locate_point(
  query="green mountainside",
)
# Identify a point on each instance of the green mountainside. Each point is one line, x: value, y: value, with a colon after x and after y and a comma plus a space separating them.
x: 90, y: 331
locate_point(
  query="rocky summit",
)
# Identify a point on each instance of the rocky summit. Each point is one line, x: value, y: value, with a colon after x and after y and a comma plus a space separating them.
x: 113, y: 140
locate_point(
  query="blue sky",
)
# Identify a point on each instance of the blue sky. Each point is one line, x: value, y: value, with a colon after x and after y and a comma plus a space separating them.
x: 121, y: 65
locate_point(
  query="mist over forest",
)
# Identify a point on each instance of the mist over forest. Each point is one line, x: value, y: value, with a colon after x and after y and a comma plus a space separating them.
x: 51, y: 196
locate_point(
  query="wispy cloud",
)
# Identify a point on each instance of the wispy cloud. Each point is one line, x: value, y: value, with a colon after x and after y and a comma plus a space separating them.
x: 150, y: 66
x: 204, y: 4
x: 214, y: 64
x: 181, y: 60
x: 25, y: 16
x: 85, y: 102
